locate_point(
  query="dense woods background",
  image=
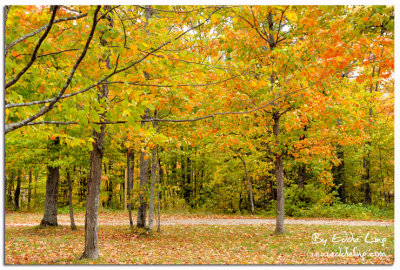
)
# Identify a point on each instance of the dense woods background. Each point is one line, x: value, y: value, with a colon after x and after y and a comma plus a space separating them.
x: 216, y: 109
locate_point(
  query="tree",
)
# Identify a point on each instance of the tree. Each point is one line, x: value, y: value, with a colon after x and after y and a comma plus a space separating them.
x: 71, y: 210
x: 53, y: 179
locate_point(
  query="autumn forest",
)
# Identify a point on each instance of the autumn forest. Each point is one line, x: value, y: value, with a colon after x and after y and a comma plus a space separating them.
x: 226, y: 127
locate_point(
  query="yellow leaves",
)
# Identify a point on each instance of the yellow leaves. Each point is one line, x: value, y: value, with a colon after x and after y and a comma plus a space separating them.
x: 127, y: 144
x: 254, y: 84
x: 291, y: 16
x: 214, y: 19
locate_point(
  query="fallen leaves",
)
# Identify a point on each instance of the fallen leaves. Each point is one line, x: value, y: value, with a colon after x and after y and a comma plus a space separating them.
x: 188, y: 244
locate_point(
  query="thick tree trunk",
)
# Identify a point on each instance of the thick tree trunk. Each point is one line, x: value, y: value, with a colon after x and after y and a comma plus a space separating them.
x: 17, y: 191
x: 280, y: 204
x: 130, y: 160
x: 96, y: 160
x: 71, y: 210
x: 50, y: 206
x: 51, y: 203
x: 92, y: 199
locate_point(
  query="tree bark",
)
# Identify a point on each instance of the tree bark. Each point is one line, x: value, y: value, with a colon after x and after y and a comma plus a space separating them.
x: 34, y: 189
x: 301, y: 176
x: 96, y: 160
x: 29, y: 189
x: 280, y: 204
x: 93, y: 190
x: 130, y: 170
x: 51, y: 203
x: 249, y: 185
x: 152, y: 187
x: 338, y: 175
x: 10, y: 188
x: 366, y: 177
x: 17, y: 191
x: 144, y: 157
x: 144, y: 179
x: 71, y: 210
x: 158, y: 195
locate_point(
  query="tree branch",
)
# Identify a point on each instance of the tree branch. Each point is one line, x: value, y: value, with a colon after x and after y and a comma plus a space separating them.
x: 9, y: 46
x: 45, y: 109
x: 179, y: 120
x: 113, y: 73
x: 33, y: 58
x: 173, y: 85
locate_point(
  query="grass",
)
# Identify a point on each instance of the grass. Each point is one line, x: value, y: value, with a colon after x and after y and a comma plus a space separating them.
x: 200, y: 244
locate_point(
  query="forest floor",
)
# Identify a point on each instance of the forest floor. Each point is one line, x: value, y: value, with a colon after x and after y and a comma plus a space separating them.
x: 121, y: 218
x: 200, y: 239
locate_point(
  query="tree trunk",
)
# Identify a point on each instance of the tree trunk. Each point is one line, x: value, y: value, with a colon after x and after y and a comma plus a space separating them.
x: 144, y: 178
x: 29, y: 189
x: 152, y: 187
x: 366, y: 177
x: 71, y: 210
x: 130, y: 160
x: 34, y: 189
x: 301, y: 176
x: 249, y: 185
x: 280, y: 204
x: 338, y: 175
x: 10, y: 188
x: 50, y: 206
x: 51, y: 203
x: 96, y: 160
x: 92, y: 200
x: 109, y: 187
x: 17, y: 191
x: 158, y: 196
